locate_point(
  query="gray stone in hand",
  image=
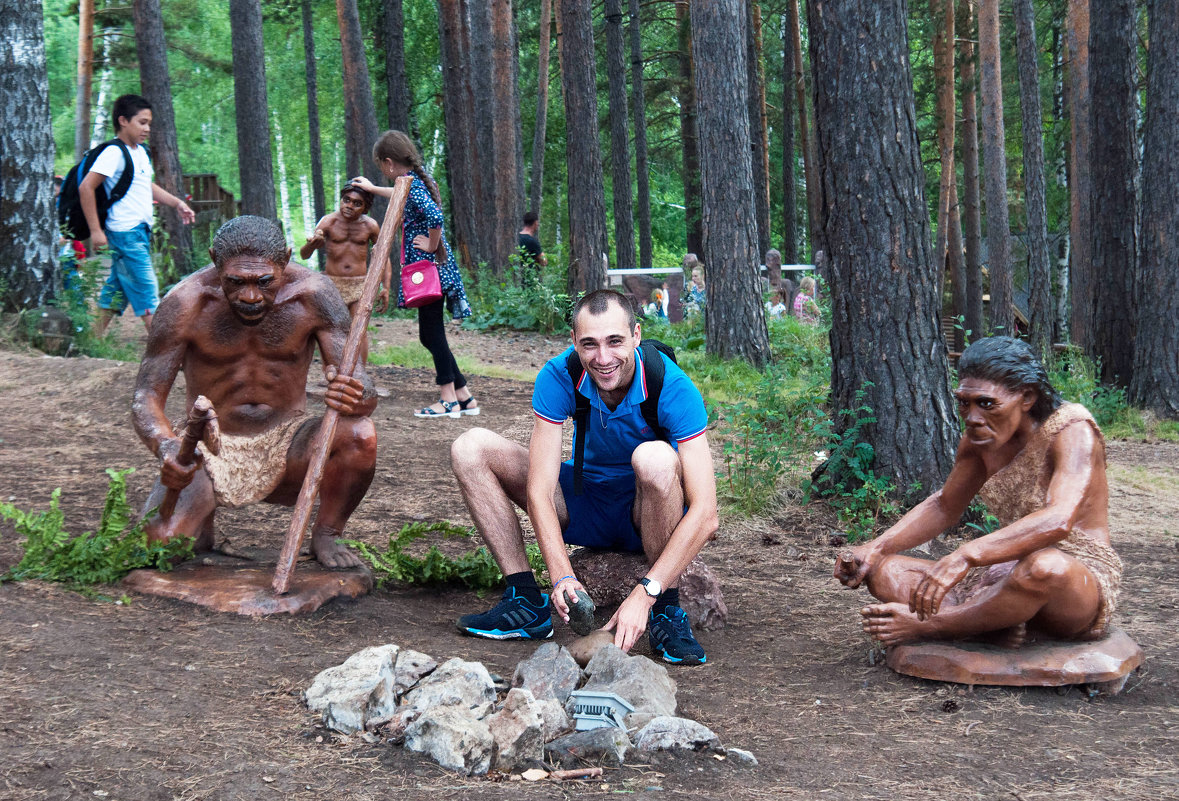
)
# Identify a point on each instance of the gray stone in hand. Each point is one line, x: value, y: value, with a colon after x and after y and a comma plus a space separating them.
x: 581, y: 614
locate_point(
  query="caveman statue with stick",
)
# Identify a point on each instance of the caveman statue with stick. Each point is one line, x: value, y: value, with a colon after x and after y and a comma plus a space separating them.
x: 244, y: 331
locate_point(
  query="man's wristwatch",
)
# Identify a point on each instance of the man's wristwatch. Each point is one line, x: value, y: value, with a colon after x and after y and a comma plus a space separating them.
x: 651, y: 586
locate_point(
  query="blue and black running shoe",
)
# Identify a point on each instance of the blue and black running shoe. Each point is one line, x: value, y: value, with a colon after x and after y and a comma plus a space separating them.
x: 513, y: 618
x: 670, y: 636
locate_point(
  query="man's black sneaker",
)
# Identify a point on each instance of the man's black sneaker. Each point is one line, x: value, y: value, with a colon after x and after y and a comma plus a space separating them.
x: 671, y: 637
x: 513, y: 618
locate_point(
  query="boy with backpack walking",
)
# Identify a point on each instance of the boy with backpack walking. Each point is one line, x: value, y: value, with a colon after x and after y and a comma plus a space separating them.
x: 641, y: 480
x: 129, y: 215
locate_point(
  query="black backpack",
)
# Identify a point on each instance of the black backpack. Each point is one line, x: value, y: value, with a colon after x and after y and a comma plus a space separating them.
x: 70, y: 217
x: 654, y: 368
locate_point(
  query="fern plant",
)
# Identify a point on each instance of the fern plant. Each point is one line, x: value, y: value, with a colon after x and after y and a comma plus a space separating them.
x: 100, y: 557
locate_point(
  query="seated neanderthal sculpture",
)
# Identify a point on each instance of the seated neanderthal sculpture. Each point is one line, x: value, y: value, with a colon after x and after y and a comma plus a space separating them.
x: 244, y: 330
x: 1039, y: 464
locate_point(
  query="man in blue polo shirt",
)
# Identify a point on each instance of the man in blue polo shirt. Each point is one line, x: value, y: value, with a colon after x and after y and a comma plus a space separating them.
x: 641, y: 493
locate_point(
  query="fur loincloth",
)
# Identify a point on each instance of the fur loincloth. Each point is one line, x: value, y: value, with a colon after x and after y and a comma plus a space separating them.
x: 250, y: 467
x: 350, y: 287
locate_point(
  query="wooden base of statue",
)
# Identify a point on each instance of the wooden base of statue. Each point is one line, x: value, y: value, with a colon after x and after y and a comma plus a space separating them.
x: 242, y: 586
x: 1103, y: 664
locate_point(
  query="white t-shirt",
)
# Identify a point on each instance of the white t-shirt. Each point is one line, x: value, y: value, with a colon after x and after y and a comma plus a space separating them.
x: 135, y: 207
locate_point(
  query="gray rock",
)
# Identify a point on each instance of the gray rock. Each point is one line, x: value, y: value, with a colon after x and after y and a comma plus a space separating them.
x: 452, y: 738
x: 604, y: 746
x: 739, y: 756
x: 518, y: 731
x: 642, y: 683
x: 360, y: 689
x: 411, y: 667
x: 635, y: 721
x: 701, y: 597
x: 467, y: 684
x: 556, y: 719
x: 670, y: 733
x: 549, y: 673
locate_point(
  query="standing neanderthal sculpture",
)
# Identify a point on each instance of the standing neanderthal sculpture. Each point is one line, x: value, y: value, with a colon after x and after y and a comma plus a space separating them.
x: 244, y: 330
x: 1039, y: 464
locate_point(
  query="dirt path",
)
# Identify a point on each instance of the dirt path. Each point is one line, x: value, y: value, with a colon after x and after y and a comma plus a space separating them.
x: 158, y: 700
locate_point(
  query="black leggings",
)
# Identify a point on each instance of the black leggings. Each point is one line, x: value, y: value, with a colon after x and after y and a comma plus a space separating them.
x: 432, y: 333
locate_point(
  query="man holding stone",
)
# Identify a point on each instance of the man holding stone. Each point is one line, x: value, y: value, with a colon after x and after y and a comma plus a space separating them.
x: 642, y: 492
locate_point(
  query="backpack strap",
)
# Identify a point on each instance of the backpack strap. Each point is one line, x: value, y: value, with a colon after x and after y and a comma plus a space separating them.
x: 580, y: 420
x: 654, y: 370
x: 128, y: 174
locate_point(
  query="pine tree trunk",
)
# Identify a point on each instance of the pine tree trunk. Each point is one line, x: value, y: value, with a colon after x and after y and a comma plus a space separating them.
x: 544, y: 46
x: 587, y: 210
x: 360, y: 116
x: 814, y: 201
x: 1080, y: 268
x: 456, y: 113
x: 85, y: 77
x: 759, y: 150
x: 1156, y: 374
x: 942, y: 13
x: 315, y: 147
x: 255, y: 166
x: 789, y: 244
x: 1001, y: 313
x: 1113, y: 48
x: 28, y: 230
x: 505, y: 170
x: 689, y: 137
x: 482, y: 115
x: 398, y: 100
x: 157, y: 88
x: 885, y: 328
x: 624, y: 229
x: 735, y: 324
x: 971, y: 203
x: 643, y: 178
x: 1040, y: 313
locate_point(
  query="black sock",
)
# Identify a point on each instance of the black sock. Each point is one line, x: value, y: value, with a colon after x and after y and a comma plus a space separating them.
x: 669, y: 597
x: 526, y: 586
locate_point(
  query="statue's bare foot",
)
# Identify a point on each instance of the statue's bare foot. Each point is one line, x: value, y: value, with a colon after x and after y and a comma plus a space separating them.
x: 894, y: 624
x: 330, y: 553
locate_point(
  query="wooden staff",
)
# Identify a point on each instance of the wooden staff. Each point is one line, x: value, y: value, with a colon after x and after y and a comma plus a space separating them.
x: 201, y: 425
x: 301, y: 517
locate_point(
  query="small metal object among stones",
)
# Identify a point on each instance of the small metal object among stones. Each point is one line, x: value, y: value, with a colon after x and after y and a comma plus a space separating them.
x: 581, y: 614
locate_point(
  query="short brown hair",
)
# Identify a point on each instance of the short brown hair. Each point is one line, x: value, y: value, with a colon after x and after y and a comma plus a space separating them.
x: 598, y: 301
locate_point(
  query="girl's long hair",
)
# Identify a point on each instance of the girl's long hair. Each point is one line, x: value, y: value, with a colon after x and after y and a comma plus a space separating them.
x: 398, y: 146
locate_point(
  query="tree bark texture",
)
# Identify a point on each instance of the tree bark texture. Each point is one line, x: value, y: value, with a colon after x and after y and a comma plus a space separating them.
x: 789, y: 244
x: 544, y: 45
x: 28, y: 229
x: 885, y: 333
x: 157, y: 88
x: 255, y: 166
x: 814, y: 200
x: 482, y: 116
x: 971, y: 202
x: 1156, y: 372
x: 689, y: 137
x: 759, y: 151
x: 624, y: 228
x: 361, y: 130
x: 314, y: 146
x: 459, y: 134
x: 1080, y: 270
x: 505, y: 165
x: 1114, y: 170
x: 85, y: 77
x: 735, y: 325
x: 642, y: 176
x: 397, y: 88
x: 587, y: 209
x: 1001, y: 313
x: 1040, y: 312
x: 942, y: 13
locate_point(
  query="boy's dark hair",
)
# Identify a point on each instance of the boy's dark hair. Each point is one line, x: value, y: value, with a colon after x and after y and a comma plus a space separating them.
x: 530, y: 217
x: 364, y: 194
x: 248, y: 235
x: 598, y: 301
x: 1010, y: 363
x: 127, y: 106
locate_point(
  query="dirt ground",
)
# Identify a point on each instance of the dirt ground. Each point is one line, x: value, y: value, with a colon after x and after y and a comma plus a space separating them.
x: 155, y: 699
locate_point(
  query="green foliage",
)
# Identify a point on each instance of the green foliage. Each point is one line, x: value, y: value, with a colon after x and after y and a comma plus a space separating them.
x: 518, y: 299
x: 476, y: 569
x: 75, y: 302
x: 101, y: 557
x: 979, y: 520
x: 1075, y: 378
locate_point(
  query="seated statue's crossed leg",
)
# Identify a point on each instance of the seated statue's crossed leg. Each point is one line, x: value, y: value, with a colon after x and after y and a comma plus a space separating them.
x: 192, y: 517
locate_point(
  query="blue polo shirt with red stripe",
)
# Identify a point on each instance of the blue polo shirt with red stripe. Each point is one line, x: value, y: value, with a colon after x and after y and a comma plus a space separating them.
x: 612, y: 436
